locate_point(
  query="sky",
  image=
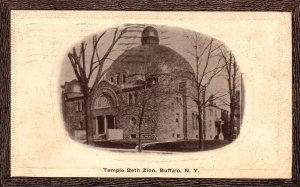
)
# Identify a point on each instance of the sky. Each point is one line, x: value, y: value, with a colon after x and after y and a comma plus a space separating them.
x: 180, y: 40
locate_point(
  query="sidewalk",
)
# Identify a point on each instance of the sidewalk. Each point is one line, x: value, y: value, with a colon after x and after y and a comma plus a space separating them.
x: 136, y: 151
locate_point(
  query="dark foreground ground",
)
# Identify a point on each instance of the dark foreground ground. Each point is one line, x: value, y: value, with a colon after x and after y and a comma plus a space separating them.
x: 176, y: 146
x: 117, y: 144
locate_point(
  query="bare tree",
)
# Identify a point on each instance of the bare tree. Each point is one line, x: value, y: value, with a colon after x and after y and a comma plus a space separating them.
x: 207, y: 67
x: 85, y: 66
x: 232, y: 77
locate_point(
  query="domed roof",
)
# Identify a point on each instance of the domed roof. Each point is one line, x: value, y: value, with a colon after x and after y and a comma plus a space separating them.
x: 159, y: 59
x: 150, y: 36
x: 150, y: 58
x: 73, y: 87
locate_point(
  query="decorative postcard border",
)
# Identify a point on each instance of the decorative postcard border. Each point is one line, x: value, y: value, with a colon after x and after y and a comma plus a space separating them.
x: 148, y: 5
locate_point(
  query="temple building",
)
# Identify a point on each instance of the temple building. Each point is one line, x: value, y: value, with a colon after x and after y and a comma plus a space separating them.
x: 147, y: 83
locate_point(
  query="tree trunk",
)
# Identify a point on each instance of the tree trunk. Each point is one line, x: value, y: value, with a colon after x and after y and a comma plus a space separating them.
x: 87, y: 115
x: 140, y: 133
x: 200, y: 133
x: 231, y: 120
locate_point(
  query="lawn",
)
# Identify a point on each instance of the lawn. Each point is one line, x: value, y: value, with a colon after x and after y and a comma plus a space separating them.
x: 176, y: 146
x: 186, y: 145
x: 117, y: 144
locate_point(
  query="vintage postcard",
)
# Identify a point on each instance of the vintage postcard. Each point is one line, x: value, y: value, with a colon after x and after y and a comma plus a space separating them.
x: 151, y: 94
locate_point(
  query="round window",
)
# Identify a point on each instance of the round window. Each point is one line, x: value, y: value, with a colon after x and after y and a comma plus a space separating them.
x: 133, y: 121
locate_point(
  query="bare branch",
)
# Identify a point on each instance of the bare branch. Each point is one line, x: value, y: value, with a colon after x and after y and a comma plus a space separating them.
x: 76, y: 71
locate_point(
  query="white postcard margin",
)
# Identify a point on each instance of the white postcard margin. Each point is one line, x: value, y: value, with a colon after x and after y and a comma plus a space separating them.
x: 40, y: 147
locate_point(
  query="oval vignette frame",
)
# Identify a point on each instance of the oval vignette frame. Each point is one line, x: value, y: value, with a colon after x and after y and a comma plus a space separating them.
x: 152, y: 66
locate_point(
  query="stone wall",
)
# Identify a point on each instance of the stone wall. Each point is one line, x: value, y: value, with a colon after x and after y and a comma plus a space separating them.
x: 165, y: 122
x: 158, y: 125
x: 74, y: 119
x: 193, y: 127
x: 129, y: 120
x: 168, y: 128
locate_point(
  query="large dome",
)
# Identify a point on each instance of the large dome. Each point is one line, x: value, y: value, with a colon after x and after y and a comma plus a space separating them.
x: 163, y: 59
x: 148, y: 58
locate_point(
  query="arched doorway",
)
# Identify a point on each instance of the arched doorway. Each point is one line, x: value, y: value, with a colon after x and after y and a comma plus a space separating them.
x: 104, y: 109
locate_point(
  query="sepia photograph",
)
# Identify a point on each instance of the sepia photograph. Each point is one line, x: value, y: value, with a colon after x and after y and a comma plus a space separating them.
x: 138, y: 87
x: 149, y: 93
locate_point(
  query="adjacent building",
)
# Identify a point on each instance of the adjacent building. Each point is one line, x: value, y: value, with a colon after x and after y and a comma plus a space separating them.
x: 73, y: 110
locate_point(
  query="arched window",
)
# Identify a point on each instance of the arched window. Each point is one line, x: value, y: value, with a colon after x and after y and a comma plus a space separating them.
x: 130, y: 99
x: 81, y: 106
x: 135, y: 98
x: 80, y: 124
x: 124, y: 78
x: 118, y: 79
x: 193, y: 120
x: 111, y: 79
x: 132, y: 121
x: 103, y: 101
x: 196, y: 121
x: 177, y: 119
x: 193, y: 81
x: 77, y: 107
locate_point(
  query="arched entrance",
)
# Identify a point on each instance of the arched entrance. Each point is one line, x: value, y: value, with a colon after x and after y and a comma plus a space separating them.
x: 104, y: 109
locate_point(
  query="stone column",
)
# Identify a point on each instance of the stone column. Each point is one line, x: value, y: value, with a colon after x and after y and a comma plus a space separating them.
x: 105, y: 125
x: 221, y: 129
x: 115, y: 122
x: 96, y: 125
